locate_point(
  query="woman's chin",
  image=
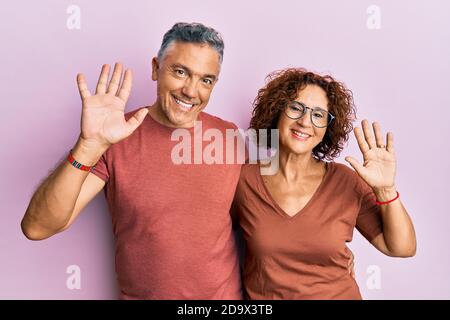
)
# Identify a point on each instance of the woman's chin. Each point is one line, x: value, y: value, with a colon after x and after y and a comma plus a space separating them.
x: 295, y: 149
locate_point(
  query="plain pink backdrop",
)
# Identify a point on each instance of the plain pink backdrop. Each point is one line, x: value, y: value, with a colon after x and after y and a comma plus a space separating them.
x: 399, y: 75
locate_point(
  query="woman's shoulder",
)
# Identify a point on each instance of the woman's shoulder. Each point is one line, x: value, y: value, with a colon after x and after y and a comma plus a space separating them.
x: 248, y: 170
x: 341, y: 169
x: 251, y: 174
x: 248, y: 180
x: 344, y: 173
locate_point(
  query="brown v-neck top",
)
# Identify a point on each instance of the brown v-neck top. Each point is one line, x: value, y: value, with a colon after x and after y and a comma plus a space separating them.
x: 304, y: 256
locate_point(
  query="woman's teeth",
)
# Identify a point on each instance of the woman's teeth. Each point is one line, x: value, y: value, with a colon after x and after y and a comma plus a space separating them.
x: 302, y: 136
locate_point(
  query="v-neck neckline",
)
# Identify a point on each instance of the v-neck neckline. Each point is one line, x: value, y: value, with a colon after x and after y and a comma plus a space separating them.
x: 328, y: 166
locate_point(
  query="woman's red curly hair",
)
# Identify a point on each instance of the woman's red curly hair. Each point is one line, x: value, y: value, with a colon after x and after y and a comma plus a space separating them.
x: 283, y: 86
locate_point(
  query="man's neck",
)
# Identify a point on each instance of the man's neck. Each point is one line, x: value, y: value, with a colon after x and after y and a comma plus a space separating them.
x: 159, y: 116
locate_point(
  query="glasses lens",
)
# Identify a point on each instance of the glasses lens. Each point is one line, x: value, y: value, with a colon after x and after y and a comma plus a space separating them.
x: 295, y: 110
x: 320, y: 118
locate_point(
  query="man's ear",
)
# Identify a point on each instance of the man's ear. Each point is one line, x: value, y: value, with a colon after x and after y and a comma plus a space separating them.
x: 155, y: 67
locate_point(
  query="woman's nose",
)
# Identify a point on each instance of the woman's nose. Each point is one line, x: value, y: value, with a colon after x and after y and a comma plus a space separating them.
x: 305, y: 119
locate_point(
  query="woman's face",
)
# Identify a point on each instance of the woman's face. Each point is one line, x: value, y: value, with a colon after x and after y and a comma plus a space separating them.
x: 301, y: 136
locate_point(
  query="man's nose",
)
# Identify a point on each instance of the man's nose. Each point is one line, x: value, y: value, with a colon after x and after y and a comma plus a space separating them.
x: 189, y: 89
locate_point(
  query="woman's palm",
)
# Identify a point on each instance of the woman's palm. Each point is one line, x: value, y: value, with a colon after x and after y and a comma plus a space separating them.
x: 379, y: 166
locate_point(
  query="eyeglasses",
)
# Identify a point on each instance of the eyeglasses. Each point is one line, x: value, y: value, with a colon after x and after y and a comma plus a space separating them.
x: 319, y: 117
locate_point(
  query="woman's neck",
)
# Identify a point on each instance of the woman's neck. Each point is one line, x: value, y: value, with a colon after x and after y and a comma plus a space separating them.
x: 295, y: 167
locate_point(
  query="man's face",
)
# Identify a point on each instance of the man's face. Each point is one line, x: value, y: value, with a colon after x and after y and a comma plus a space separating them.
x: 186, y: 76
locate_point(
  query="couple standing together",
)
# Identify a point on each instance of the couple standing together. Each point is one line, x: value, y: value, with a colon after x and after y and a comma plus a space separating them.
x: 173, y: 223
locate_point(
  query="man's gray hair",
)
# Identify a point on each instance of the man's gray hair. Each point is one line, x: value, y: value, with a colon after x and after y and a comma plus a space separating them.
x: 194, y: 33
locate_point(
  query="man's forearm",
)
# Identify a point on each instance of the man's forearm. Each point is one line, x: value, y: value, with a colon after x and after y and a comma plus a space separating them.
x: 52, y: 204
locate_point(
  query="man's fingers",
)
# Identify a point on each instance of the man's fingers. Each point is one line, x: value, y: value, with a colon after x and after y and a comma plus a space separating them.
x: 82, y: 86
x: 103, y: 80
x: 125, y: 90
x: 115, y: 79
x: 136, y: 120
x: 368, y: 134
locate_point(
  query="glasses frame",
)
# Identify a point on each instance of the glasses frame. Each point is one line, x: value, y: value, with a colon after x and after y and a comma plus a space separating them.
x: 305, y: 108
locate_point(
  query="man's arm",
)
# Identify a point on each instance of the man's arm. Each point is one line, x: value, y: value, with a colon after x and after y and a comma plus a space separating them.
x: 61, y: 197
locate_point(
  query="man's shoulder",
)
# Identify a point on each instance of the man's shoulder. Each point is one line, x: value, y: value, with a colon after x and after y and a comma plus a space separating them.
x: 216, y: 122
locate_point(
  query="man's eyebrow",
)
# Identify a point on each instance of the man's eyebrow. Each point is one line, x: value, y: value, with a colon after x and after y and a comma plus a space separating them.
x: 190, y: 72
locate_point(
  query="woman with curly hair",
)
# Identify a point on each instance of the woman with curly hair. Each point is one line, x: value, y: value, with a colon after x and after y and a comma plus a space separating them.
x: 297, y: 222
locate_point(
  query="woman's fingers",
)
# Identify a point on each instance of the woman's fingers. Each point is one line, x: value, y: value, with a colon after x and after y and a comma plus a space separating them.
x: 102, y: 80
x: 114, y: 84
x: 368, y: 134
x: 363, y: 146
x: 351, y: 264
x: 358, y: 167
x: 378, y: 135
x: 125, y: 90
x: 390, y: 142
x: 82, y: 86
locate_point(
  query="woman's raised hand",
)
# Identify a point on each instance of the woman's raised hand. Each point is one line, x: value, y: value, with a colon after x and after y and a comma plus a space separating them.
x: 379, y: 166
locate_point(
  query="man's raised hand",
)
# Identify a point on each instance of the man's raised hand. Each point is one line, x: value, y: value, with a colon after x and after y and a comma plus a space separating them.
x: 103, y: 114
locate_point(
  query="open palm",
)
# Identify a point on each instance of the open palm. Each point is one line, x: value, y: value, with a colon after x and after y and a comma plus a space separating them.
x: 379, y: 166
x: 103, y: 114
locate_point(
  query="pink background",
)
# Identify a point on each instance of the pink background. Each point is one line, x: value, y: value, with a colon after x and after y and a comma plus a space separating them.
x: 399, y: 75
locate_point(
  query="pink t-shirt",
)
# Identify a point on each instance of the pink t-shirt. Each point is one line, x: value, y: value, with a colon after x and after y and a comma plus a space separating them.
x: 171, y: 222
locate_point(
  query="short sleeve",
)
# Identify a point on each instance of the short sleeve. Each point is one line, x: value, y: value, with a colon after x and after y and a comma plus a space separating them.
x: 101, y: 169
x: 368, y: 222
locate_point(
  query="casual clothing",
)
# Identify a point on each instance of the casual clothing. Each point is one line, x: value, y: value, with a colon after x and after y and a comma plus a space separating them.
x: 304, y: 256
x: 171, y: 222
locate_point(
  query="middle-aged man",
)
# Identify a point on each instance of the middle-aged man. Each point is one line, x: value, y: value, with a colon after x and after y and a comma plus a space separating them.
x: 171, y: 223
